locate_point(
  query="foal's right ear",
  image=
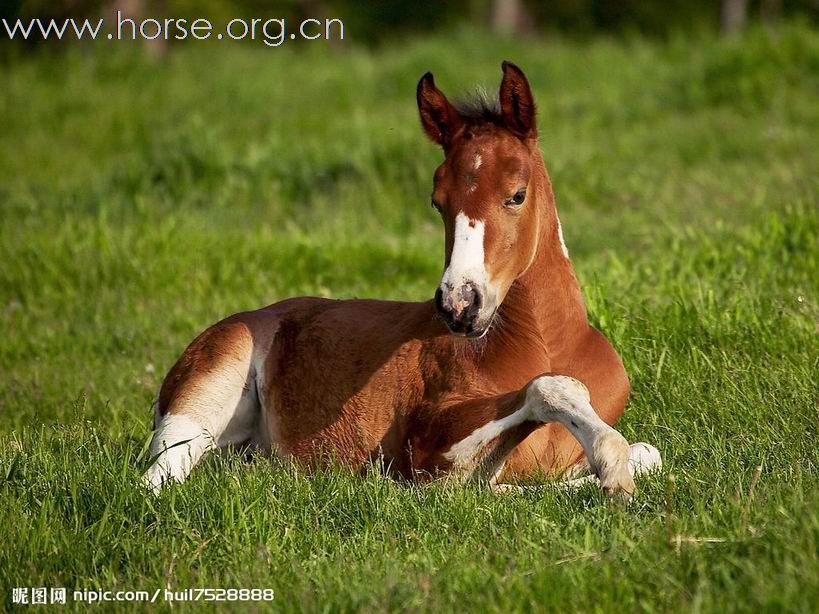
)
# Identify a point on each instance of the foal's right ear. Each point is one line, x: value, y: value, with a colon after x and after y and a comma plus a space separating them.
x: 439, y: 118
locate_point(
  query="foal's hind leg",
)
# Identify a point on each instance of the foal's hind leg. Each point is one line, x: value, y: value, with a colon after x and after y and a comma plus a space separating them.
x: 208, y: 401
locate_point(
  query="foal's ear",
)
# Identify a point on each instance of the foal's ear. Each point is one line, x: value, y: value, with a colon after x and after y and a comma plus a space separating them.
x: 439, y: 118
x: 517, y: 103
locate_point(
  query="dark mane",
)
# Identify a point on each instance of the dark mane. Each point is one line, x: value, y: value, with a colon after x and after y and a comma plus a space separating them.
x: 478, y: 108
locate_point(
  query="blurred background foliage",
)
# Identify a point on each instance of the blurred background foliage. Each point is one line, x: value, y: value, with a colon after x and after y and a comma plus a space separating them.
x: 374, y: 22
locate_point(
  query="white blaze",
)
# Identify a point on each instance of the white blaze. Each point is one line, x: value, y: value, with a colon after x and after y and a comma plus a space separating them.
x: 560, y: 236
x: 466, y: 264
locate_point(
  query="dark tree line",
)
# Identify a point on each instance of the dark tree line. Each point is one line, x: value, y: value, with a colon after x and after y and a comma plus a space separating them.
x: 380, y: 19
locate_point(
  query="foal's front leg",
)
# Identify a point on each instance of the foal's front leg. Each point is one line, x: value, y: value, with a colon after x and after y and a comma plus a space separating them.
x: 548, y: 398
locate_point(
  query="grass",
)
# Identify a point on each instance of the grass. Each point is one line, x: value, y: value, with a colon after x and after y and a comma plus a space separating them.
x: 140, y: 201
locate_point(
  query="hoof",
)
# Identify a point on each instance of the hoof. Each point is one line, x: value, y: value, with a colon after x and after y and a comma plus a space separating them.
x: 611, y: 464
x: 154, y: 479
x: 644, y: 458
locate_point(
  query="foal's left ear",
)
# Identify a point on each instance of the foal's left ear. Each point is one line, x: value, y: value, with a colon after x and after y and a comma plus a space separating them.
x: 517, y: 103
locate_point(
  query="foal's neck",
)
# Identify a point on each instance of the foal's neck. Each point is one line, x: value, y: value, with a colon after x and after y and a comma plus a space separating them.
x: 547, y: 297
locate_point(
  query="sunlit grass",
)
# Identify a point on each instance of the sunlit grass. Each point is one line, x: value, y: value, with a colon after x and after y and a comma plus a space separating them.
x: 141, y: 201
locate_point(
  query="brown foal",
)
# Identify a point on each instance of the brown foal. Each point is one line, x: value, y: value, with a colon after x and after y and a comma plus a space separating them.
x: 499, y: 377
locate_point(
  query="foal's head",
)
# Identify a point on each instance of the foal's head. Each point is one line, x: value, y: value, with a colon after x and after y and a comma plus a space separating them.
x: 484, y: 192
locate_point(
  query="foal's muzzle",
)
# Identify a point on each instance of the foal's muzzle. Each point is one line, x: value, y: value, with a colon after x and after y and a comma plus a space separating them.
x: 460, y: 308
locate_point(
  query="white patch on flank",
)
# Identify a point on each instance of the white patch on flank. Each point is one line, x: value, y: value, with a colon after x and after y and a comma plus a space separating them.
x: 178, y: 443
x: 560, y: 236
x: 478, y: 162
x: 466, y: 264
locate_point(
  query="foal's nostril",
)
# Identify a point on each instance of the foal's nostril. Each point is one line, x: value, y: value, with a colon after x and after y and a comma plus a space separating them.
x: 466, y: 293
x: 477, y: 300
x: 439, y: 301
x: 473, y: 301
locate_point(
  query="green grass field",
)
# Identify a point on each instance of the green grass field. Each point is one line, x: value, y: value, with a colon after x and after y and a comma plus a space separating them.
x: 141, y: 201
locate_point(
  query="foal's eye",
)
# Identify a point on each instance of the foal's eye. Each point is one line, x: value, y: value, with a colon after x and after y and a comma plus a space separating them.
x: 517, y: 199
x: 436, y: 206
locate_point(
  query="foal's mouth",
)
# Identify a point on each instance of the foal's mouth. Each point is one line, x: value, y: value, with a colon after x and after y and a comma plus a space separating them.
x: 478, y: 334
x: 481, y: 333
x: 473, y: 334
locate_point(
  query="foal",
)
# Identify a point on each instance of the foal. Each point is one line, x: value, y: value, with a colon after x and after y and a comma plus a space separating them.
x: 499, y: 377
